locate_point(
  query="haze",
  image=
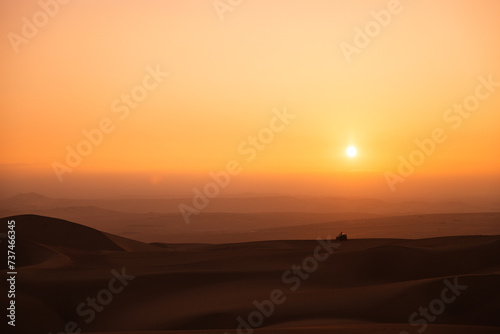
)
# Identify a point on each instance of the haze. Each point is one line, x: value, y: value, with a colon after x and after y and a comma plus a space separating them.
x: 225, y: 78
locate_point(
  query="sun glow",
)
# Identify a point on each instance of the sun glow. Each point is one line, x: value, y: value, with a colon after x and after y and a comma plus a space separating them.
x: 351, y: 151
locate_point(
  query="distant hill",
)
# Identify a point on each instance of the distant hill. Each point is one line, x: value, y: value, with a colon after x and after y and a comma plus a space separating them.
x: 26, y: 202
x: 30, y: 202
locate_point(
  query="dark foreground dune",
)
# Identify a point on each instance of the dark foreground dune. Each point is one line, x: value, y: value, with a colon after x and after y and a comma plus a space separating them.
x: 71, y: 277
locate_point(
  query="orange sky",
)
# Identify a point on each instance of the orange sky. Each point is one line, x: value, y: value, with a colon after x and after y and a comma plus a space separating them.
x: 225, y: 78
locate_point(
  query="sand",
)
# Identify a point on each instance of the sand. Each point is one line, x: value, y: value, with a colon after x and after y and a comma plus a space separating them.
x: 364, y: 286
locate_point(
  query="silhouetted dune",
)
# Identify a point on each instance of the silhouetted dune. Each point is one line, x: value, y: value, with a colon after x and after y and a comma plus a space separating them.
x: 364, y: 286
x: 236, y: 227
x: 61, y: 233
x: 30, y: 253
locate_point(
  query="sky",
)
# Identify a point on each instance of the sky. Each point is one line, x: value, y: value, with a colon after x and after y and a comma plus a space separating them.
x: 152, y: 97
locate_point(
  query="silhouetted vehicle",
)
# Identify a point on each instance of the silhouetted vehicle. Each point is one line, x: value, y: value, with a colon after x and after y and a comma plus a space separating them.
x: 341, y: 236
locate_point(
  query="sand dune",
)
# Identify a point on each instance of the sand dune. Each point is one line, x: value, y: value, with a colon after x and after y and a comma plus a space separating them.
x: 243, y: 227
x: 269, y: 218
x: 61, y: 233
x: 366, y: 285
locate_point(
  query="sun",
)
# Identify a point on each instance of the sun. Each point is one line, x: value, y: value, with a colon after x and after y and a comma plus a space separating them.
x: 351, y: 151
